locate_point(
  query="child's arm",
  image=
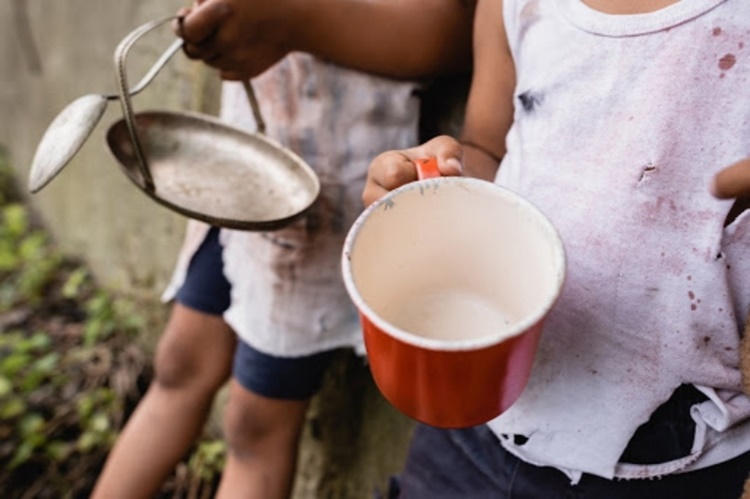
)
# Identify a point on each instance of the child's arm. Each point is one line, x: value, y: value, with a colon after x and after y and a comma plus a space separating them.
x: 489, y: 108
x: 733, y: 181
x: 489, y: 114
x: 396, y: 38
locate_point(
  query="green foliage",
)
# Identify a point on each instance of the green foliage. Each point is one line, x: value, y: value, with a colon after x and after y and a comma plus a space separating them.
x: 33, y: 374
x: 73, y: 286
x: 95, y: 410
x: 55, y: 411
x: 102, y: 319
x: 208, y: 459
x: 69, y: 372
x: 28, y: 262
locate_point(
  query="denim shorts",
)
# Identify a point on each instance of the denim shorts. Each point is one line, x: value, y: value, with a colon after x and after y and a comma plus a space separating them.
x: 206, y: 289
x: 472, y: 464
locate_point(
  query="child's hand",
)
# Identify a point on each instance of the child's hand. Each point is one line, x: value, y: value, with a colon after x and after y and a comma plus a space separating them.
x: 240, y: 38
x: 393, y: 169
x: 733, y: 181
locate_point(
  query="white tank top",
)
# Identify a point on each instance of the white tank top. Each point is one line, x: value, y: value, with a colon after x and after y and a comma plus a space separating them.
x: 288, y: 297
x: 620, y: 124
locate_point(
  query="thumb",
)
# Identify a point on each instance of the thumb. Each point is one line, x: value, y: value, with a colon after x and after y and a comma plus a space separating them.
x: 446, y: 150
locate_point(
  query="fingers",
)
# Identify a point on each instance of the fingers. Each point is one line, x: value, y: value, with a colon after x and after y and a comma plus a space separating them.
x: 448, y: 152
x: 231, y: 36
x: 733, y: 181
x: 233, y: 75
x: 197, y: 27
x: 177, y: 24
x: 202, y: 21
x: 388, y: 171
x: 205, y: 53
x: 393, y: 169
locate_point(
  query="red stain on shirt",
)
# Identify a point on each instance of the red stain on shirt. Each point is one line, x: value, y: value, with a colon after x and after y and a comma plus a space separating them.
x: 727, y: 62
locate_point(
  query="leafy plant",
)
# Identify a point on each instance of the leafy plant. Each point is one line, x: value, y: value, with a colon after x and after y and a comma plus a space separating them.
x: 58, y: 405
x: 70, y: 373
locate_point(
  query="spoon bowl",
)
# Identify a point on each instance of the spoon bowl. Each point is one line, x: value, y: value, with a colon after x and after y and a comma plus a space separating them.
x: 71, y: 128
x: 64, y: 138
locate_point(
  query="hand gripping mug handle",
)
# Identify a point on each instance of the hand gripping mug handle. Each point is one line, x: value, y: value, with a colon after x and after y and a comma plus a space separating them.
x: 427, y: 168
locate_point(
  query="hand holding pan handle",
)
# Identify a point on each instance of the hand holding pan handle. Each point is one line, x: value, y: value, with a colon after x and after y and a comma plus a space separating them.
x: 125, y: 97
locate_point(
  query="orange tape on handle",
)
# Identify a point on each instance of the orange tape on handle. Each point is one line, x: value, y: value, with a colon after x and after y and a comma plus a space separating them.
x: 427, y: 168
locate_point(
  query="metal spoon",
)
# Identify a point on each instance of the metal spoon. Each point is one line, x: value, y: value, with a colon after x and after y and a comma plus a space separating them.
x: 74, y: 124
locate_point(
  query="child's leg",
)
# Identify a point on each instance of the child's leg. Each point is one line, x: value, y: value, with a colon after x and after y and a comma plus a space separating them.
x: 262, y: 435
x: 193, y: 361
x: 264, y: 417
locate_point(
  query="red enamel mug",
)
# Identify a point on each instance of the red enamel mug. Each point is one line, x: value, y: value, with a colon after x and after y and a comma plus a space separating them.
x: 453, y: 278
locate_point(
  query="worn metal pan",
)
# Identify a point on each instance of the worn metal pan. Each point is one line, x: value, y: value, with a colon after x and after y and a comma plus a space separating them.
x: 206, y: 169
x: 201, y: 167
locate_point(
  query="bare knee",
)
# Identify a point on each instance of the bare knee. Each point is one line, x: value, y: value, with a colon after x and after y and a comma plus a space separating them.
x: 195, y: 352
x: 255, y: 425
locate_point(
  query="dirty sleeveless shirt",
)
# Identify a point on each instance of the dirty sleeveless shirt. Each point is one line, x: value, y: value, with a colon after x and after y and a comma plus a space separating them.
x: 620, y: 123
x: 287, y: 295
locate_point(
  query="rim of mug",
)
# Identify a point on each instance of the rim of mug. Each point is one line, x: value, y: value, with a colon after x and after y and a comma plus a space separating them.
x: 517, y: 329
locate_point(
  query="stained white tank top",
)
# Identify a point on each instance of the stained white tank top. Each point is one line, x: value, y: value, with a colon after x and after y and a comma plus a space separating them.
x: 288, y: 296
x: 620, y: 124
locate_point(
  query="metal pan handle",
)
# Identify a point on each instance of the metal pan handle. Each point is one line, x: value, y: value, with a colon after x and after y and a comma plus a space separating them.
x: 254, y: 106
x: 125, y: 97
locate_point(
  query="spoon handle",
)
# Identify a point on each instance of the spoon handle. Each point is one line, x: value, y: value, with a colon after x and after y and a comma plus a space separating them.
x: 158, y: 65
x: 125, y: 96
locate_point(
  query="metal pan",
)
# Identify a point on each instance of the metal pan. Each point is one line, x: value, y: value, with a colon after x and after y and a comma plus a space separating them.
x: 204, y: 169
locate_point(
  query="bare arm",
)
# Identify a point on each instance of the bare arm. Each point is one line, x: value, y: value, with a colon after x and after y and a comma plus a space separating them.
x: 395, y: 38
x: 489, y: 114
x: 489, y: 109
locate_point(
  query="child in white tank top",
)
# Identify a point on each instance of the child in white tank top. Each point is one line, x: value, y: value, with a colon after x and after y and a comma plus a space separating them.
x: 336, y: 82
x: 612, y: 117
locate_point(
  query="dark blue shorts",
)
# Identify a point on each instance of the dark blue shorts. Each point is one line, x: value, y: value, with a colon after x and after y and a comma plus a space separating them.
x: 207, y: 290
x: 471, y: 463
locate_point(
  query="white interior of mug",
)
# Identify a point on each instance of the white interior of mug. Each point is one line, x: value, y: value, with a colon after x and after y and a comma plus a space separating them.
x: 453, y: 263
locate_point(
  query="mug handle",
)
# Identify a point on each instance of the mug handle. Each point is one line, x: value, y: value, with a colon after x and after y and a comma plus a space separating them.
x: 427, y: 168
